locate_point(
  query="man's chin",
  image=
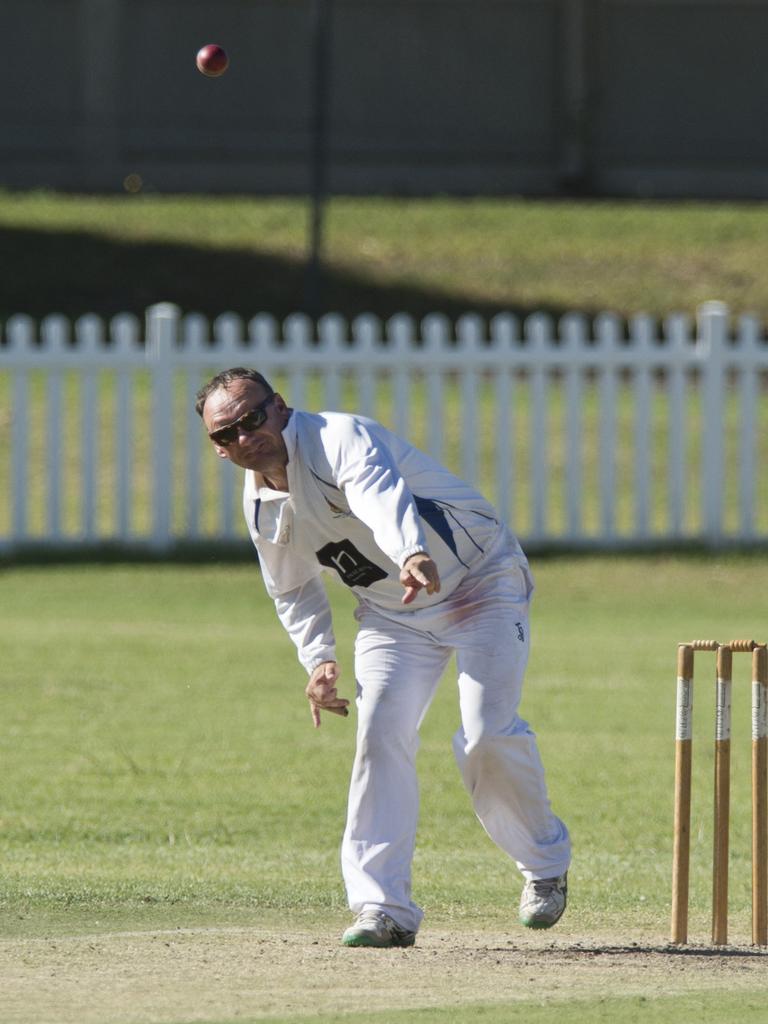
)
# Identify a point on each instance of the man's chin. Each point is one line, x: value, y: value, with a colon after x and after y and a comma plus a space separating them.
x: 259, y: 465
x: 252, y: 460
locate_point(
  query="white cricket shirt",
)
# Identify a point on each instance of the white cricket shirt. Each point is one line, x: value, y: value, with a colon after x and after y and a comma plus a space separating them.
x: 360, y: 502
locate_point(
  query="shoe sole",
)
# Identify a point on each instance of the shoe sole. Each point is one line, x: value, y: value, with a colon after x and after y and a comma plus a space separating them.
x: 359, y: 941
x: 539, y: 925
x: 533, y: 923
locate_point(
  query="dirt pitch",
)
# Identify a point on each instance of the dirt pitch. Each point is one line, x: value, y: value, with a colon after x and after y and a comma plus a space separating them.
x: 226, y: 974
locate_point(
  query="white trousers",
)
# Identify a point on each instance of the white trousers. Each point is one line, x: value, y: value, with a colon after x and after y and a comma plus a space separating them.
x: 399, y: 660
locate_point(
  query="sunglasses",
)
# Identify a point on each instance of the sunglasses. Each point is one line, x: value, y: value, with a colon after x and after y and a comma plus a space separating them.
x: 249, y: 421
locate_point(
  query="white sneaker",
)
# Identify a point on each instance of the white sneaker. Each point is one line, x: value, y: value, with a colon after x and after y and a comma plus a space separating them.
x: 375, y: 928
x: 542, y: 901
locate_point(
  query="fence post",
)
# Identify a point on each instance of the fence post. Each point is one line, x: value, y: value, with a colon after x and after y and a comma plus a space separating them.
x: 54, y: 338
x: 21, y: 340
x: 642, y: 333
x: 538, y: 336
x: 469, y: 331
x: 677, y: 331
x: 162, y: 332
x: 749, y: 339
x: 573, y: 334
x: 89, y: 332
x: 608, y: 335
x: 711, y: 342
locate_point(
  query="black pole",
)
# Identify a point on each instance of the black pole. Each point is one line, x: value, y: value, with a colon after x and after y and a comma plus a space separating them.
x: 320, y: 36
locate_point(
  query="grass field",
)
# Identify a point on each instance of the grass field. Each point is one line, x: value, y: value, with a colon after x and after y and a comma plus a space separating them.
x: 170, y: 820
x: 76, y: 254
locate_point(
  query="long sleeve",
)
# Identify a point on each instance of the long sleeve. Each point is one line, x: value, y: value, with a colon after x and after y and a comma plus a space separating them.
x: 295, y: 585
x: 306, y: 616
x: 377, y: 493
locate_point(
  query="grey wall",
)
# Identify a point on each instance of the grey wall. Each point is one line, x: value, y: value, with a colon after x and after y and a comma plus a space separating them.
x: 680, y: 97
x: 459, y: 96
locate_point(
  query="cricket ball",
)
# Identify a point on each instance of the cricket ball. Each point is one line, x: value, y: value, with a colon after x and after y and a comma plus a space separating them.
x: 212, y: 60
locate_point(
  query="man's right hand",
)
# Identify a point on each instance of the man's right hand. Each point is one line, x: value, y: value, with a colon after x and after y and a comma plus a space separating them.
x: 321, y: 692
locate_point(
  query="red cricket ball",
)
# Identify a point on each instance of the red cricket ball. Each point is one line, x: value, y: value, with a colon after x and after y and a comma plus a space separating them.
x: 212, y: 60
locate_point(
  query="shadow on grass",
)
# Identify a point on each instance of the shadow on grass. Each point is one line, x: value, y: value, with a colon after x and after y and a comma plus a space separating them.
x: 578, y: 951
x: 43, y: 555
x: 78, y: 272
x: 241, y: 551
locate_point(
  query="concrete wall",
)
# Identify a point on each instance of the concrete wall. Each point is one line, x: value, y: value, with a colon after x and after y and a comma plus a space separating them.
x: 680, y: 97
x: 460, y: 96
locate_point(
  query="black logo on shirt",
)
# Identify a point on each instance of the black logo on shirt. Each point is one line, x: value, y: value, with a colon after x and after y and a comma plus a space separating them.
x: 353, y: 567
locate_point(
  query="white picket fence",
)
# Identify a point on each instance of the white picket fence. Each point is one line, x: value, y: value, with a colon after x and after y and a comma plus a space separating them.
x: 604, y: 434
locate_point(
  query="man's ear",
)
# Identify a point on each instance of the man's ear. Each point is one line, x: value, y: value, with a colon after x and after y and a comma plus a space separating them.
x: 280, y: 403
x: 221, y: 452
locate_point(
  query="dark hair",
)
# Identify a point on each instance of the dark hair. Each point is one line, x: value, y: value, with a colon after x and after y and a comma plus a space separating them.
x: 224, y: 380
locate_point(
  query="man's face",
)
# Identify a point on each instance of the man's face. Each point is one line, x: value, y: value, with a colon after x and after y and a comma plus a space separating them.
x: 262, y: 448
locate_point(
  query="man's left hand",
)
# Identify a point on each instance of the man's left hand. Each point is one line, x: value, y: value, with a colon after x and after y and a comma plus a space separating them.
x: 419, y: 572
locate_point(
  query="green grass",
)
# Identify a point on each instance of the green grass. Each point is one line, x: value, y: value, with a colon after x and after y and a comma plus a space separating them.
x: 160, y: 772
x: 699, y: 1008
x: 76, y: 254
x: 158, y: 753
